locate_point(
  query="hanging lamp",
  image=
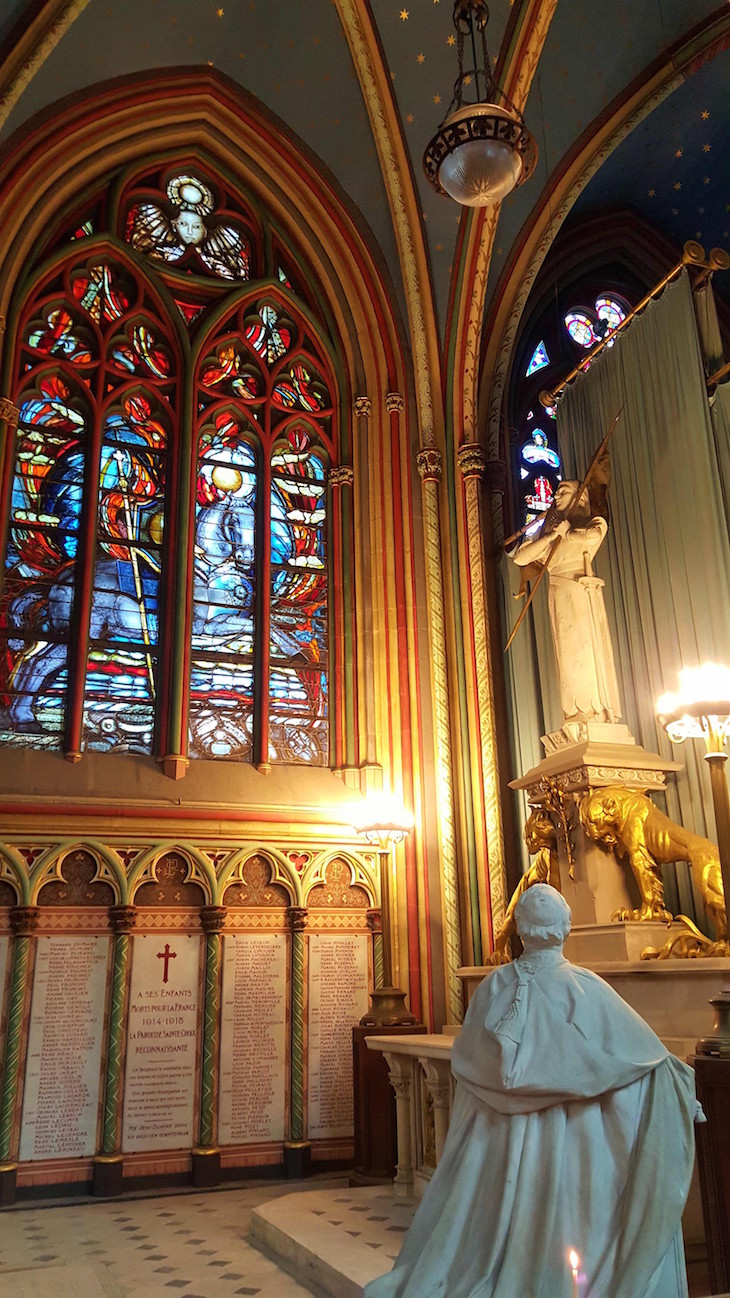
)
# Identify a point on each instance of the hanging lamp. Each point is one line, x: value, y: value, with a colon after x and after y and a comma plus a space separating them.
x: 482, y: 150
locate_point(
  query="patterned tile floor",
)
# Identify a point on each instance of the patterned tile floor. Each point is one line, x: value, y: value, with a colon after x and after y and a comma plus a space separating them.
x: 181, y: 1245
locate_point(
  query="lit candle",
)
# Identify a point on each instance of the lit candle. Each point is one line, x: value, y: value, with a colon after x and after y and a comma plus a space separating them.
x: 574, y: 1260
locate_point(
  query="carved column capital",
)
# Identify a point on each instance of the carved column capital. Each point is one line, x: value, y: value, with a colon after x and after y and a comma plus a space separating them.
x: 213, y: 918
x: 362, y: 407
x: 298, y: 917
x: 429, y: 463
x: 341, y: 475
x: 472, y: 460
x: 24, y: 920
x: 123, y: 919
x: 394, y: 403
x: 9, y: 411
x: 375, y: 920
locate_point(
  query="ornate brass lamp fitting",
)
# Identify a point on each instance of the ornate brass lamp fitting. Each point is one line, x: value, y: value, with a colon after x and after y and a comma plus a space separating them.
x: 701, y: 709
x: 482, y: 150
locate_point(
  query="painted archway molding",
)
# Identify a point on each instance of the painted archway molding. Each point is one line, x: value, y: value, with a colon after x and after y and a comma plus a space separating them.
x: 581, y: 163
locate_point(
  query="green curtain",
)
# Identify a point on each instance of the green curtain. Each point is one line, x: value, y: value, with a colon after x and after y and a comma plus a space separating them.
x: 666, y: 562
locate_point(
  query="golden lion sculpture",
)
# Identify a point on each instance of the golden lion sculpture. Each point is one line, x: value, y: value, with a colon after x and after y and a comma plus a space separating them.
x: 629, y: 822
x: 541, y: 837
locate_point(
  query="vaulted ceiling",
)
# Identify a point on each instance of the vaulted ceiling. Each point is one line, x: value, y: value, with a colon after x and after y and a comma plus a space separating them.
x: 577, y: 58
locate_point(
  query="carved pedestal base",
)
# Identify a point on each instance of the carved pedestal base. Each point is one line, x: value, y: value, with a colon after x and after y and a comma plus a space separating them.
x: 8, y: 1184
x: 602, y: 755
x: 108, y: 1176
x: 206, y: 1169
x: 387, y: 1009
x: 297, y: 1159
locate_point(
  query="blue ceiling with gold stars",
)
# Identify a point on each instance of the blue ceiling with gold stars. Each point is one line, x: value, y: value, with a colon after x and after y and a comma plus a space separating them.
x: 592, y: 52
x: 294, y: 57
x: 673, y: 169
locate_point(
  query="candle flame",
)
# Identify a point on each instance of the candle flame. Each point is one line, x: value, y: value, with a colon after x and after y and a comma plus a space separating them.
x: 574, y: 1260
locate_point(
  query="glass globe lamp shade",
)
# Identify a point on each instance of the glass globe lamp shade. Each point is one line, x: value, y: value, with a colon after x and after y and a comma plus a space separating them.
x: 479, y: 155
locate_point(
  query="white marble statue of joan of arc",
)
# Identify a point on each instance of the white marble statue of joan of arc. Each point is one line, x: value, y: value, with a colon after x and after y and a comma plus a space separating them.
x: 581, y: 637
x: 572, y: 1128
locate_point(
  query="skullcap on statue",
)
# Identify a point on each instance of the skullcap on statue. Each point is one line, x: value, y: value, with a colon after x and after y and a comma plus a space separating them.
x: 542, y: 916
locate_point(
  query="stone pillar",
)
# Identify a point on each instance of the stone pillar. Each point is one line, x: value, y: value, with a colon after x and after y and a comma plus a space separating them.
x: 206, y: 1155
x: 401, y: 1079
x: 430, y: 469
x: 108, y: 1164
x: 297, y: 1149
x: 23, y: 922
x: 472, y: 462
x: 437, y: 1075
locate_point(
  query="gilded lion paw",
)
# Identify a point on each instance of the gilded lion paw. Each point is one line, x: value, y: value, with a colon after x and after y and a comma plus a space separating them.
x: 657, y: 913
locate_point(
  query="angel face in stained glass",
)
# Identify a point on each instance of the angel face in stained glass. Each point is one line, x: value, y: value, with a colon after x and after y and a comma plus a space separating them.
x: 169, y: 235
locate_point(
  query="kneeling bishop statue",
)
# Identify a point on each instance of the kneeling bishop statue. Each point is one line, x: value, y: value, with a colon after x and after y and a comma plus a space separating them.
x: 572, y: 1129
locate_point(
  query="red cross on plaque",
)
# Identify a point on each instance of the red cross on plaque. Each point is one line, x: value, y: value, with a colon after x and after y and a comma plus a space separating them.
x: 167, y: 955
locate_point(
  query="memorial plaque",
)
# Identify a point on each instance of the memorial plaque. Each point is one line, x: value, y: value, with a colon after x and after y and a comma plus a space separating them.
x: 65, y: 1037
x: 162, y: 1041
x: 253, y: 1039
x: 338, y: 998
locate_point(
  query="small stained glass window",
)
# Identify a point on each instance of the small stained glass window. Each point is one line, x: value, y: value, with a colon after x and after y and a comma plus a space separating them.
x: 538, y: 360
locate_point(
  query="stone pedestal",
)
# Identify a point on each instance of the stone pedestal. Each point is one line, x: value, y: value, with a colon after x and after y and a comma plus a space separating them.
x: 593, y: 755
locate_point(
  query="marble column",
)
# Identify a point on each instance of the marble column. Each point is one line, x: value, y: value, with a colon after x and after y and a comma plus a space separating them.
x: 108, y: 1164
x: 297, y: 1149
x: 23, y: 922
x: 207, y: 1156
x: 400, y: 1072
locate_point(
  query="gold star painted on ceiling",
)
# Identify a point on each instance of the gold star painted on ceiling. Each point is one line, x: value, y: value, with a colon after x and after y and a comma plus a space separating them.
x: 651, y: 193
x: 467, y: 80
x: 437, y: 99
x: 705, y: 115
x: 675, y: 211
x: 404, y: 15
x: 409, y: 118
x: 220, y: 12
x: 678, y: 154
x: 705, y: 180
x: 450, y: 40
x: 439, y: 246
x: 392, y: 76
x: 420, y: 58
x: 706, y: 148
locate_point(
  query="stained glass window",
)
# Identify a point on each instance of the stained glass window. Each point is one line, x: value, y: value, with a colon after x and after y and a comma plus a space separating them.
x: 98, y: 558
x: 538, y: 360
x: 562, y: 336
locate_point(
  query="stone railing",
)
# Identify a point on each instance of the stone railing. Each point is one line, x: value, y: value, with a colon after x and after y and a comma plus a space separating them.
x: 420, y: 1074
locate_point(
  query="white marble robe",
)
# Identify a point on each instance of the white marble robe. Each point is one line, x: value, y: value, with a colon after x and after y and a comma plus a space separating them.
x: 572, y: 1127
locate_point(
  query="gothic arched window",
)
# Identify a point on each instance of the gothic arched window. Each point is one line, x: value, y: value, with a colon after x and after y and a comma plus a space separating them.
x: 166, y: 562
x: 550, y: 349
